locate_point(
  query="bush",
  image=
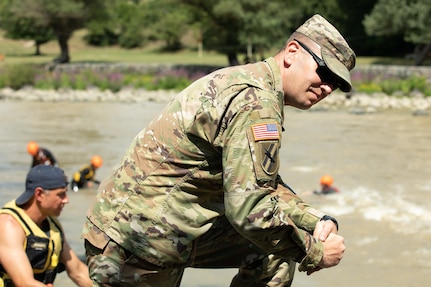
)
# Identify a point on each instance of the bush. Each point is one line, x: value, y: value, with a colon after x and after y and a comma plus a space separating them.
x: 130, y: 39
x: 18, y: 76
x: 405, y: 86
x: 369, y: 88
x: 391, y: 85
x: 100, y: 34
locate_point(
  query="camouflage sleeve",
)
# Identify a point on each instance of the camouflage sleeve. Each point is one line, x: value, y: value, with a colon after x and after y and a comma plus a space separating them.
x: 274, y: 220
x: 306, y: 217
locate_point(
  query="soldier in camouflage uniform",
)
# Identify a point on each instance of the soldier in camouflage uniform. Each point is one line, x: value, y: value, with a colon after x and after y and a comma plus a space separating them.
x: 199, y: 186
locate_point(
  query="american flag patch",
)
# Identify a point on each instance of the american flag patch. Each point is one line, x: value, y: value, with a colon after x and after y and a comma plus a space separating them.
x: 265, y: 132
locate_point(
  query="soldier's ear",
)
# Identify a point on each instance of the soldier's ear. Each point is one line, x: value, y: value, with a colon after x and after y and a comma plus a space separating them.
x: 290, y: 52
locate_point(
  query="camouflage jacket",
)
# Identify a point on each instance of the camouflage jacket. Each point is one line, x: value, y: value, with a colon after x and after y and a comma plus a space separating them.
x: 212, y: 151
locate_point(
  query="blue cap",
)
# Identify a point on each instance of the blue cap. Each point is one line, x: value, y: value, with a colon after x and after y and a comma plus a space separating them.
x: 44, y: 176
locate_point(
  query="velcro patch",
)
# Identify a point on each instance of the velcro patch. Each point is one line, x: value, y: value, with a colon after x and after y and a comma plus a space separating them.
x: 265, y: 131
x: 269, y: 156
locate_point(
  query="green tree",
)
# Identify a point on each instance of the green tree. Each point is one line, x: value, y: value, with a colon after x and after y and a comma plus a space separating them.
x: 132, y: 24
x: 167, y: 21
x: 233, y: 27
x: 265, y: 26
x: 236, y: 27
x: 410, y: 18
x: 62, y: 17
x: 123, y: 24
x: 24, y: 28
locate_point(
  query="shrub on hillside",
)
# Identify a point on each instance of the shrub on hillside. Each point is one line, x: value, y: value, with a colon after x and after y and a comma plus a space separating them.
x: 18, y: 76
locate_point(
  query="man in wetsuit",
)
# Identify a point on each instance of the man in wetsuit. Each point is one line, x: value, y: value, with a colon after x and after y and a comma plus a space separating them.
x: 85, y: 176
x: 40, y: 155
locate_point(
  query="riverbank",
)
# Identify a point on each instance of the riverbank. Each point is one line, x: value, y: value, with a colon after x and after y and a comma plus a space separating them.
x: 354, y: 102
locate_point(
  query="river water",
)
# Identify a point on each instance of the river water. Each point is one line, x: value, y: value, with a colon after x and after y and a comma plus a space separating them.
x: 381, y: 162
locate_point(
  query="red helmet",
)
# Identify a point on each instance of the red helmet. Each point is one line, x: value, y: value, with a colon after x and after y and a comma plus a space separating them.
x: 326, y: 180
x: 96, y: 161
x: 32, y: 148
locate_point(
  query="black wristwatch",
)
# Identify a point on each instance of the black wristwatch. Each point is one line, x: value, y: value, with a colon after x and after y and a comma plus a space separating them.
x: 327, y: 217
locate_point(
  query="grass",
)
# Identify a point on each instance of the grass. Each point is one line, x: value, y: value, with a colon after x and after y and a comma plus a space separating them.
x: 22, y: 52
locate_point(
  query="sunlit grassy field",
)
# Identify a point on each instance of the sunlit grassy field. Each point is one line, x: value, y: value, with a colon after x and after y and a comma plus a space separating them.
x: 23, y: 51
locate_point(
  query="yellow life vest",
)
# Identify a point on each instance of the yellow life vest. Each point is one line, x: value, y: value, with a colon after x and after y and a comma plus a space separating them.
x: 86, y: 172
x: 43, y: 251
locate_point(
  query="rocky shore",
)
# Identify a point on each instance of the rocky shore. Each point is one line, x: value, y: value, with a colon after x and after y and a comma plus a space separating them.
x: 353, y: 102
x: 356, y: 102
x: 126, y: 95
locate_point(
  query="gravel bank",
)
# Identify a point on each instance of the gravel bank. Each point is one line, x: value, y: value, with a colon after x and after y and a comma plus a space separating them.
x: 353, y: 102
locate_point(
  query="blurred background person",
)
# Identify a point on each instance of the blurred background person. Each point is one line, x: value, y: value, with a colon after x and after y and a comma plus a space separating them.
x: 85, y: 176
x: 326, y: 186
x: 40, y: 155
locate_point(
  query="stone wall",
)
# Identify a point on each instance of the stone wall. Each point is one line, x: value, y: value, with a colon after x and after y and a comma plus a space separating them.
x: 375, y: 70
x: 128, y: 67
x: 393, y: 71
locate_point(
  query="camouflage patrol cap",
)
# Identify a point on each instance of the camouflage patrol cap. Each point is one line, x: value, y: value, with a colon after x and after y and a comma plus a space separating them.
x: 336, y: 53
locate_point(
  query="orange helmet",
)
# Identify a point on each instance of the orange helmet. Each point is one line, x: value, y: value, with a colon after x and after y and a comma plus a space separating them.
x: 326, y: 180
x: 96, y: 161
x: 32, y: 148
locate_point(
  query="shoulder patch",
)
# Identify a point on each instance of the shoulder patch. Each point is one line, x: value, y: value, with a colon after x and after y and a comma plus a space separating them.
x: 265, y: 131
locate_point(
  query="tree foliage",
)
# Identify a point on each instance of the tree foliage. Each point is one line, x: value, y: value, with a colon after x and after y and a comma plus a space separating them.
x: 122, y: 24
x: 409, y: 18
x: 25, y: 28
x: 132, y: 24
x: 62, y: 17
x: 167, y: 21
x: 232, y: 27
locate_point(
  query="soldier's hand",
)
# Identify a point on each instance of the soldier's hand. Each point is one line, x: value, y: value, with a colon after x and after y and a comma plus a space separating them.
x: 333, y: 251
x: 323, y: 229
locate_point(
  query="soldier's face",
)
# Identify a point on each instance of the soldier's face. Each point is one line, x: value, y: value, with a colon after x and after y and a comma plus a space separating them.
x: 303, y: 86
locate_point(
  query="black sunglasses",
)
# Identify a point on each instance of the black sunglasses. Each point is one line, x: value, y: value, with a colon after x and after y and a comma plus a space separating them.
x: 322, y: 70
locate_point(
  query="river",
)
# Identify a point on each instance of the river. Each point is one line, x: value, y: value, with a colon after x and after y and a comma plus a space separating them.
x: 380, y: 161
